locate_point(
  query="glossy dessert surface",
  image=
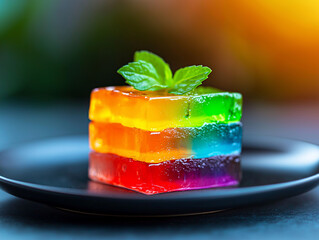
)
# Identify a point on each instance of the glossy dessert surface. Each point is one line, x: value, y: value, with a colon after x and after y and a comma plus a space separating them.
x: 168, y: 176
x: 156, y: 111
x: 155, y: 142
x: 173, y: 143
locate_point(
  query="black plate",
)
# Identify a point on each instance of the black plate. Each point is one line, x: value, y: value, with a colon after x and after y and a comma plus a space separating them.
x: 54, y: 172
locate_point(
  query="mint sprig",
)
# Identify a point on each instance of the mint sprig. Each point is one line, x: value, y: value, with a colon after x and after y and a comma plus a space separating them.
x: 151, y: 72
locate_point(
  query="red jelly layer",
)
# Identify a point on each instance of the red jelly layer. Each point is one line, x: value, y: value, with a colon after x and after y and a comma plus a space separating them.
x: 168, y: 176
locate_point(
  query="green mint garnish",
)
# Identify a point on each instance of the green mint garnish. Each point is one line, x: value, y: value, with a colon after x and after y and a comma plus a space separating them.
x: 151, y: 72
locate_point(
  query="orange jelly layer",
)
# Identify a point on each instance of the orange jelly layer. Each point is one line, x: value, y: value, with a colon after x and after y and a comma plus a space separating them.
x: 135, y: 143
x: 156, y: 111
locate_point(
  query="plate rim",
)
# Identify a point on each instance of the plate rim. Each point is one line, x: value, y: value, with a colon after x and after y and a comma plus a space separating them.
x: 185, y: 195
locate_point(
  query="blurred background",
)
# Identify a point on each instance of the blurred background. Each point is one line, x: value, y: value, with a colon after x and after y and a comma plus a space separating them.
x: 53, y: 52
x: 63, y: 48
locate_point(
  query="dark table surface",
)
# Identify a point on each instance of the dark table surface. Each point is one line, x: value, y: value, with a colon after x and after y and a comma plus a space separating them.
x: 294, y: 218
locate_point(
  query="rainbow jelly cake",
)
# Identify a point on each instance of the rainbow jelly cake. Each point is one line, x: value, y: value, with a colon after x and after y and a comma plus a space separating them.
x: 164, y: 133
x: 155, y: 141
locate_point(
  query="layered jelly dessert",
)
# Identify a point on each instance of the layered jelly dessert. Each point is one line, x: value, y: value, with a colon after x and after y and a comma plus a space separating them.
x: 164, y: 133
x: 154, y: 142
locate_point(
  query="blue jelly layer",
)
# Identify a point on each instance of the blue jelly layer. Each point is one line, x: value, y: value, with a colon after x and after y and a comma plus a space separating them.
x: 215, y: 139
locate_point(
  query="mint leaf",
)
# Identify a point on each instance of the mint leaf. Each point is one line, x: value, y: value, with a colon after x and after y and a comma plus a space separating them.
x: 163, y: 70
x: 142, y: 76
x: 151, y: 72
x: 188, y: 78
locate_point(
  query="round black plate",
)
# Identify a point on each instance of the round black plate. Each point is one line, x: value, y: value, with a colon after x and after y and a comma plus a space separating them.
x: 54, y: 172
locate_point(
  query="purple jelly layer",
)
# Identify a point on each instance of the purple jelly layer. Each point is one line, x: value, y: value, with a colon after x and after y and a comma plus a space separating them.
x: 168, y: 176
